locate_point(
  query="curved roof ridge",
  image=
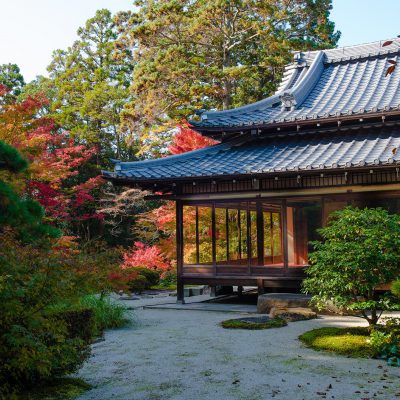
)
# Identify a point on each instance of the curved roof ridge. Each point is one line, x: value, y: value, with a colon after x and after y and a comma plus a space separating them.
x: 300, y: 91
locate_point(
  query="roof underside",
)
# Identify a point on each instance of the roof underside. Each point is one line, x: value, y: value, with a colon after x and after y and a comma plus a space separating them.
x: 324, y: 84
x: 361, y: 147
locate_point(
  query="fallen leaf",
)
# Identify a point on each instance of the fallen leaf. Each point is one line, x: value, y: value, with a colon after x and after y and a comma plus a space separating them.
x: 387, y: 43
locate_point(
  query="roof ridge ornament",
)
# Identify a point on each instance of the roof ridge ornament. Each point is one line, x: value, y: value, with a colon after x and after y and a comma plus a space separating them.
x: 288, y: 101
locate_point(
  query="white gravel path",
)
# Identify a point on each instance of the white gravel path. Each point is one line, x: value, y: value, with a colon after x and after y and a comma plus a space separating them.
x: 186, y: 355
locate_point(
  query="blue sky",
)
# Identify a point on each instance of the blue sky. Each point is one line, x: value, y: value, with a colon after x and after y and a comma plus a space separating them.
x: 31, y: 30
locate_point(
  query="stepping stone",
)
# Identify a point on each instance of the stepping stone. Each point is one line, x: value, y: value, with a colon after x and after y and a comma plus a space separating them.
x: 281, y: 300
x: 293, y: 313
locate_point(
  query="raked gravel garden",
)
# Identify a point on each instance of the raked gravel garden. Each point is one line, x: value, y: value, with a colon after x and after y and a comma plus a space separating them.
x: 185, y: 354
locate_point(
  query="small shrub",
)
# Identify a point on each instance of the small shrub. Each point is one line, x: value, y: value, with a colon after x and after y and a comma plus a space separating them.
x: 358, y: 252
x: 385, y: 339
x: 240, y: 324
x: 152, y: 276
x: 80, y: 322
x: 353, y: 342
x: 168, y: 280
x: 107, y: 313
x: 138, y: 284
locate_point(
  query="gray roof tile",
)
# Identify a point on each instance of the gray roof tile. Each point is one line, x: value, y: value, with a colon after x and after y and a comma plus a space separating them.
x: 326, y: 83
x: 316, y: 151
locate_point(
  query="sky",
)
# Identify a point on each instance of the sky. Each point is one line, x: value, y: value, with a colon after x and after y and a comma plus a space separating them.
x: 31, y: 30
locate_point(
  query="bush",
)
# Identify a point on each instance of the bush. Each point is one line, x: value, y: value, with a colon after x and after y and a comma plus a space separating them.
x: 152, y: 276
x: 141, y: 278
x: 385, y: 339
x: 36, y: 343
x: 359, y: 252
x: 79, y: 322
x: 107, y: 313
x: 169, y: 279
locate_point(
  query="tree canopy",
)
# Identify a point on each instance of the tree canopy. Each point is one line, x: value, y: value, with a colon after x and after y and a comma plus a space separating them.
x: 202, y: 54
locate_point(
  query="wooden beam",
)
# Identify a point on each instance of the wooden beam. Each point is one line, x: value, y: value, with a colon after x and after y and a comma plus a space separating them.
x: 285, y: 237
x: 179, y: 252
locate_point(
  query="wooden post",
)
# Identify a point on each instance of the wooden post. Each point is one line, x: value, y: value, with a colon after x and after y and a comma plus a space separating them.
x: 260, y: 286
x: 179, y: 252
x: 285, y: 236
x: 260, y: 234
x: 240, y: 291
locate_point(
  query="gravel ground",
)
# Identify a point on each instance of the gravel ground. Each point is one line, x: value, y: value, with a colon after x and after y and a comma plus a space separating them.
x: 186, y: 355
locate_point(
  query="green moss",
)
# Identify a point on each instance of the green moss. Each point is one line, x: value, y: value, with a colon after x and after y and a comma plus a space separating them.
x: 58, y: 389
x: 238, y: 324
x: 353, y: 342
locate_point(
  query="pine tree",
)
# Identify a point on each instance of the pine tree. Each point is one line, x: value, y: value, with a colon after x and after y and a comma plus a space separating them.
x: 91, y: 87
x: 213, y: 54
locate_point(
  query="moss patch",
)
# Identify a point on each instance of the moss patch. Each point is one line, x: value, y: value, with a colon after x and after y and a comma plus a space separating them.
x: 59, y: 389
x: 240, y: 324
x: 353, y: 342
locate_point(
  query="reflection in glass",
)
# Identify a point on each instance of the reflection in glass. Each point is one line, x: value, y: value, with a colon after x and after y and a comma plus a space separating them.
x: 303, y: 220
x: 189, y: 235
x: 205, y: 234
x: 220, y: 234
x: 272, y: 237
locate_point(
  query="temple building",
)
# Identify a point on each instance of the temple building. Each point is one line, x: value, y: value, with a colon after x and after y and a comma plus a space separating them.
x: 247, y: 208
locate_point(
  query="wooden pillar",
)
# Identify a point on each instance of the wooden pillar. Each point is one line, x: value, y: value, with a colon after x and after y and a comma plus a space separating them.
x: 179, y: 252
x: 260, y: 286
x: 214, y: 239
x: 240, y: 291
x: 260, y: 234
x: 285, y: 237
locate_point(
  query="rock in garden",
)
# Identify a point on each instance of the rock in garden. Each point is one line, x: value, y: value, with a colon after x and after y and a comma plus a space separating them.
x: 293, y: 314
x: 281, y: 300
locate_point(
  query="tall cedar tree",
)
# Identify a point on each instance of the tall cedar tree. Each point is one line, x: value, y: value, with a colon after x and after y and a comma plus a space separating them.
x: 91, y: 84
x: 207, y: 54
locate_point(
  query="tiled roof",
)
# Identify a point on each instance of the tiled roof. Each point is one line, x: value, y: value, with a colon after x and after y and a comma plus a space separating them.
x: 337, y: 82
x: 361, y: 147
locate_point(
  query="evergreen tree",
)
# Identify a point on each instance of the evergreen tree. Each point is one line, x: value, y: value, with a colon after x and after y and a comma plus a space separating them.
x: 220, y: 54
x: 12, y: 79
x: 91, y: 87
x: 19, y: 212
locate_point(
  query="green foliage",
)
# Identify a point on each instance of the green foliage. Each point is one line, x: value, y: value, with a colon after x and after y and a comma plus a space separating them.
x: 240, y: 324
x: 11, y: 77
x: 152, y: 276
x: 385, y: 339
x: 207, y: 54
x: 138, y: 284
x: 396, y: 288
x: 20, y: 212
x: 352, y: 342
x: 90, y: 83
x: 79, y: 322
x: 107, y: 313
x: 168, y: 280
x: 140, y: 278
x: 56, y: 389
x: 358, y: 252
x: 36, y: 343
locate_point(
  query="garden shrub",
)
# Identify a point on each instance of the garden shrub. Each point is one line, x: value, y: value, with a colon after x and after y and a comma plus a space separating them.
x: 152, y: 276
x: 169, y: 279
x: 35, y: 343
x: 385, y: 339
x: 107, y: 314
x: 138, y: 284
x: 79, y: 322
x: 358, y: 253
